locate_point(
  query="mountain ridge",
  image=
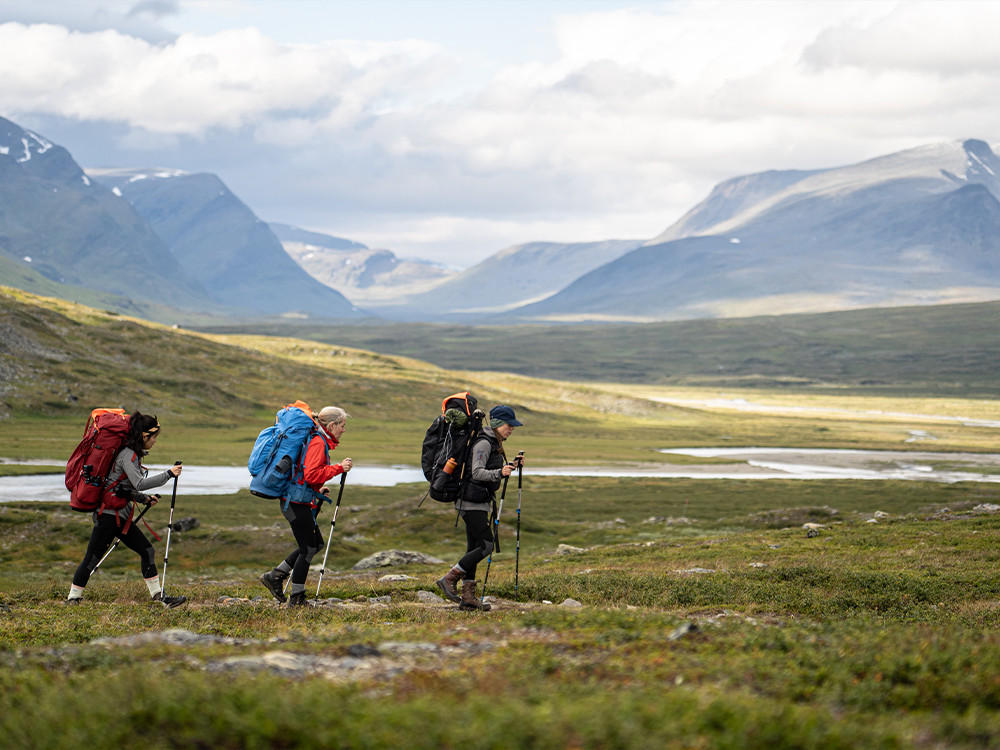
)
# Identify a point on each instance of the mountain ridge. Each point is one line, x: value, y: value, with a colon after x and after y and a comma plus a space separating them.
x: 219, y: 239
x: 842, y: 238
x: 508, y: 280
x: 74, y: 231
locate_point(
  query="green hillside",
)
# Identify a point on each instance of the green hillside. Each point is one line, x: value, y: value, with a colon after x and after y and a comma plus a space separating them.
x: 934, y: 350
x: 214, y: 393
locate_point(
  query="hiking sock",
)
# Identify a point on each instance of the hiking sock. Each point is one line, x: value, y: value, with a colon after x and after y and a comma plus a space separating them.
x: 75, y: 592
x: 153, y: 584
x: 285, y: 569
x: 297, y: 588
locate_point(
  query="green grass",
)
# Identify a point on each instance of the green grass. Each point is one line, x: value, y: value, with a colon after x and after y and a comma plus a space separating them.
x: 710, y: 618
x: 734, y: 629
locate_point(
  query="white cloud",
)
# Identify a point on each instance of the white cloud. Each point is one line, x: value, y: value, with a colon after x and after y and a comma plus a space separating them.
x: 631, y: 118
x: 934, y: 38
x: 228, y: 80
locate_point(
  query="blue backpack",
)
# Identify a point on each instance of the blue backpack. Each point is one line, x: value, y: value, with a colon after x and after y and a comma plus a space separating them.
x: 275, y: 462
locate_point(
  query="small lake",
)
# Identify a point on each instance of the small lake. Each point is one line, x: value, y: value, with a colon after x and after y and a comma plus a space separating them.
x: 742, y: 463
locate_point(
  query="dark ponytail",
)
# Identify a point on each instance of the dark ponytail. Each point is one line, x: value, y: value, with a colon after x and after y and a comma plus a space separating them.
x: 138, y: 424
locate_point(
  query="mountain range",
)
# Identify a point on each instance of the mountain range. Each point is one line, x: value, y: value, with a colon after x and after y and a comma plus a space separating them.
x: 920, y: 226
x: 505, y: 281
x: 219, y: 240
x: 156, y: 239
x: 61, y: 225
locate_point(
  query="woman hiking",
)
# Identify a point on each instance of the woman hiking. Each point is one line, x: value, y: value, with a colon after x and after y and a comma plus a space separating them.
x: 127, y: 480
x: 489, y: 467
x: 301, y: 516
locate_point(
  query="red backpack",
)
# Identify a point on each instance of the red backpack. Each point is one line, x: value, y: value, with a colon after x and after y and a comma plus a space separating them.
x: 88, y: 467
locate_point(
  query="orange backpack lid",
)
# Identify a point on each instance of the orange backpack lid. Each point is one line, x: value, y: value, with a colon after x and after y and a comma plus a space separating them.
x: 462, y: 396
x: 101, y: 412
x: 303, y: 406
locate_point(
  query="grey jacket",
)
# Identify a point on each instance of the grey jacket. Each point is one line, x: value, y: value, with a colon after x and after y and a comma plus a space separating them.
x: 482, y: 452
x: 136, y: 479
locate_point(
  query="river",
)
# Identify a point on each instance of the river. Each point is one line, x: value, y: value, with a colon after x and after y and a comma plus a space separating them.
x: 743, y: 463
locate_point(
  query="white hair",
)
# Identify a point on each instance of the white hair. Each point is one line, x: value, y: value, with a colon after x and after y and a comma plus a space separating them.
x: 331, y: 415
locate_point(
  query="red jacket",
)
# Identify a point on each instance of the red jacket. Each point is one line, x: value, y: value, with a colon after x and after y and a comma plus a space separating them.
x: 316, y: 467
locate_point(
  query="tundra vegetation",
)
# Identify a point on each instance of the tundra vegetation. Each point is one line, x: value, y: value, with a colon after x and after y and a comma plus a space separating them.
x: 712, y: 613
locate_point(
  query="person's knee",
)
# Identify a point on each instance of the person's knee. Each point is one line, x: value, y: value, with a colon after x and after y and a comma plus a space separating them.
x: 90, y: 562
x: 309, y: 552
x: 487, y: 547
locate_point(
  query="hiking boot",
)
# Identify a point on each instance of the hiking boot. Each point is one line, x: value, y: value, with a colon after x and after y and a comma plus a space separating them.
x: 447, y: 584
x: 74, y: 600
x: 469, y: 599
x: 298, y: 600
x: 274, y: 582
x: 169, y: 601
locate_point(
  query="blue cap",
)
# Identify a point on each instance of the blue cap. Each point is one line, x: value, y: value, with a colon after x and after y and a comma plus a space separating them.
x: 506, y: 414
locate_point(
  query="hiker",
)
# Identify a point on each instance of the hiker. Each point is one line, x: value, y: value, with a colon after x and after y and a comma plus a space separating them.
x: 301, y: 516
x: 489, y: 467
x: 127, y: 479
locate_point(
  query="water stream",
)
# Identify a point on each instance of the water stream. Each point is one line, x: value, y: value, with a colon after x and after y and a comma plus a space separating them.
x: 745, y: 463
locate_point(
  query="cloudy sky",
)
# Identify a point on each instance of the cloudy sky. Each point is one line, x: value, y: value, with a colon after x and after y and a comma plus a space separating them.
x: 449, y: 130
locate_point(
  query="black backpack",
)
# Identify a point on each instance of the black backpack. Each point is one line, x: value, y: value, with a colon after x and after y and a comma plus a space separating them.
x: 447, y: 444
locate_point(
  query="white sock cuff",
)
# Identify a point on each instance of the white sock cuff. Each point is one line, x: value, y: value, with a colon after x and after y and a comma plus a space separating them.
x: 153, y: 584
x: 75, y: 592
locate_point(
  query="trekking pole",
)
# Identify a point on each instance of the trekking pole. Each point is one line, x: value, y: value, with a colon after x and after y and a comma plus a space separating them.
x: 496, y: 537
x: 517, y: 549
x: 170, y: 527
x: 118, y: 540
x: 333, y: 524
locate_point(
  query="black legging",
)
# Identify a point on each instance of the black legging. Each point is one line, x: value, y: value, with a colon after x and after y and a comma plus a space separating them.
x: 106, y: 528
x: 479, y: 539
x: 307, y: 536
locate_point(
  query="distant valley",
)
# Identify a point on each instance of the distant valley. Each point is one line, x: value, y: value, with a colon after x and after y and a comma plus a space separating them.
x: 367, y: 277
x: 915, y: 351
